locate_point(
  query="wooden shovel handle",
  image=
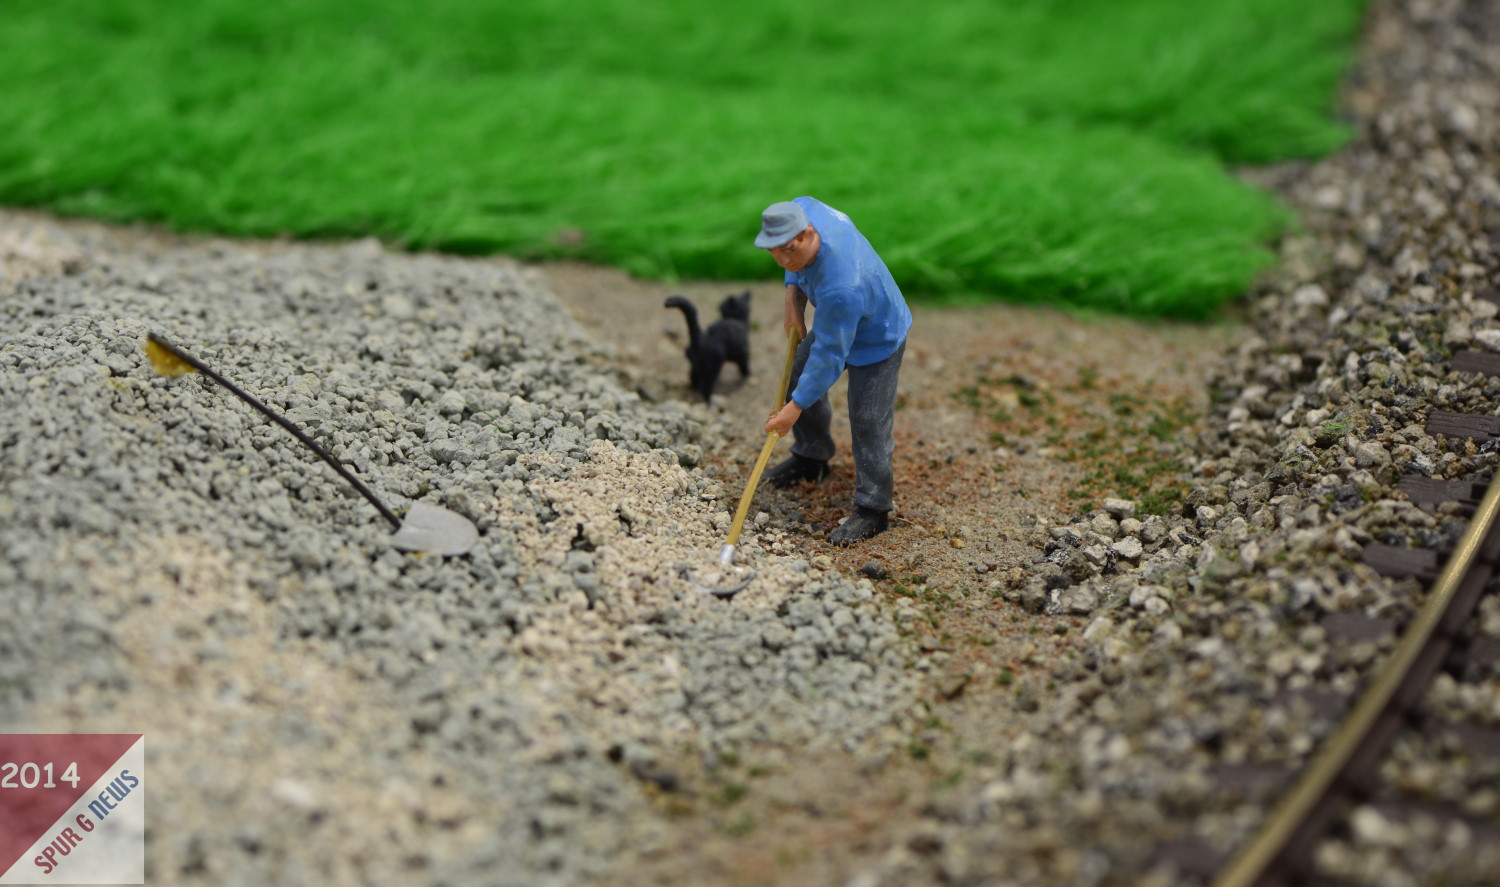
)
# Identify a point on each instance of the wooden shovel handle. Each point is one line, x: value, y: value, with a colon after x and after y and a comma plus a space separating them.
x: 794, y: 338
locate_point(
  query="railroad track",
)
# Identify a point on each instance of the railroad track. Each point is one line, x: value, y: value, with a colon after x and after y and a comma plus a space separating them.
x: 1344, y: 772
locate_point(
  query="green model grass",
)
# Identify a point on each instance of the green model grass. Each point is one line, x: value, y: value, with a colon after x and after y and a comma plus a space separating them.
x: 1071, y: 151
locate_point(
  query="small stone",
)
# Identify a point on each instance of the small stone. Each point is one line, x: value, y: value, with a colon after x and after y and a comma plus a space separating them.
x: 1066, y: 535
x: 1168, y: 633
x: 1128, y: 548
x: 1310, y: 296
x: 1142, y: 593
x: 873, y: 570
x: 1153, y: 529
x: 1099, y: 629
x: 1034, y: 595
x: 1080, y: 600
x: 1489, y: 338
x: 1459, y: 332
x: 1463, y: 119
x: 1371, y: 827
x: 295, y: 794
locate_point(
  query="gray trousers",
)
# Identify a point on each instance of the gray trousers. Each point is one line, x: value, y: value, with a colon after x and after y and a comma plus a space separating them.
x: 872, y: 416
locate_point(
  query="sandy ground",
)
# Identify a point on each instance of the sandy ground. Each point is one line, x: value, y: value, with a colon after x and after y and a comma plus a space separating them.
x: 1004, y: 413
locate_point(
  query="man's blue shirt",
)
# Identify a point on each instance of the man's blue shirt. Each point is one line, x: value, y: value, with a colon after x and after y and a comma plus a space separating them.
x: 860, y: 316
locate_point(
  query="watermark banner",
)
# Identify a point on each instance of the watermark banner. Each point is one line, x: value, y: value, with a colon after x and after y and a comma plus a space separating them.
x: 72, y: 808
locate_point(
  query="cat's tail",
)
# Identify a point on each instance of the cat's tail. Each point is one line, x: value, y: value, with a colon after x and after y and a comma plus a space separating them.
x: 690, y: 311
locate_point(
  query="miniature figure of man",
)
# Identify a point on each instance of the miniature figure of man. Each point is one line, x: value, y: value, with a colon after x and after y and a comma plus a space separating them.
x: 859, y: 324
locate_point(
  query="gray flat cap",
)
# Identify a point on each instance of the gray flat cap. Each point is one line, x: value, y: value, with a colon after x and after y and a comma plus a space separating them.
x: 779, y: 223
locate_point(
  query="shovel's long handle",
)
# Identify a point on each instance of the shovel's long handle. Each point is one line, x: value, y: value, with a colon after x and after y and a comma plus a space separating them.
x: 760, y: 465
x: 279, y: 419
x: 794, y: 338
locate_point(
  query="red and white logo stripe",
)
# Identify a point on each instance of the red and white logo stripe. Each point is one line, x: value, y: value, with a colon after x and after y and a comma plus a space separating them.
x: 72, y: 808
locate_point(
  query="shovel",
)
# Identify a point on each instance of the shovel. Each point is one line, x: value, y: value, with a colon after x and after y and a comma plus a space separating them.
x: 732, y: 578
x: 427, y: 528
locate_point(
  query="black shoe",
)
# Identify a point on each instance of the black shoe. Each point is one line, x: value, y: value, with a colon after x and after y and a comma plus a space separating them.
x: 862, y: 524
x: 796, y: 468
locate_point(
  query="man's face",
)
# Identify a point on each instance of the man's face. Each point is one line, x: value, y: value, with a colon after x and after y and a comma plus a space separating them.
x: 797, y: 253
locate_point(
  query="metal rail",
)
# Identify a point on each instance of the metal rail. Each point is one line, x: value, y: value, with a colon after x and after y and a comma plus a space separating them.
x: 1297, y: 821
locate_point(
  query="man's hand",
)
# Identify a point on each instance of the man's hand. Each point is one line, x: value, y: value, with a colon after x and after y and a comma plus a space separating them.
x: 782, y: 422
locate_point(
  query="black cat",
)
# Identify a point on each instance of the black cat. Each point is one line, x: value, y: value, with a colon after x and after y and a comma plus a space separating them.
x: 726, y: 339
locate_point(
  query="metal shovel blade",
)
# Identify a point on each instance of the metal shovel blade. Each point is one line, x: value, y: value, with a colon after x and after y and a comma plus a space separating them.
x: 725, y: 581
x: 435, y: 530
